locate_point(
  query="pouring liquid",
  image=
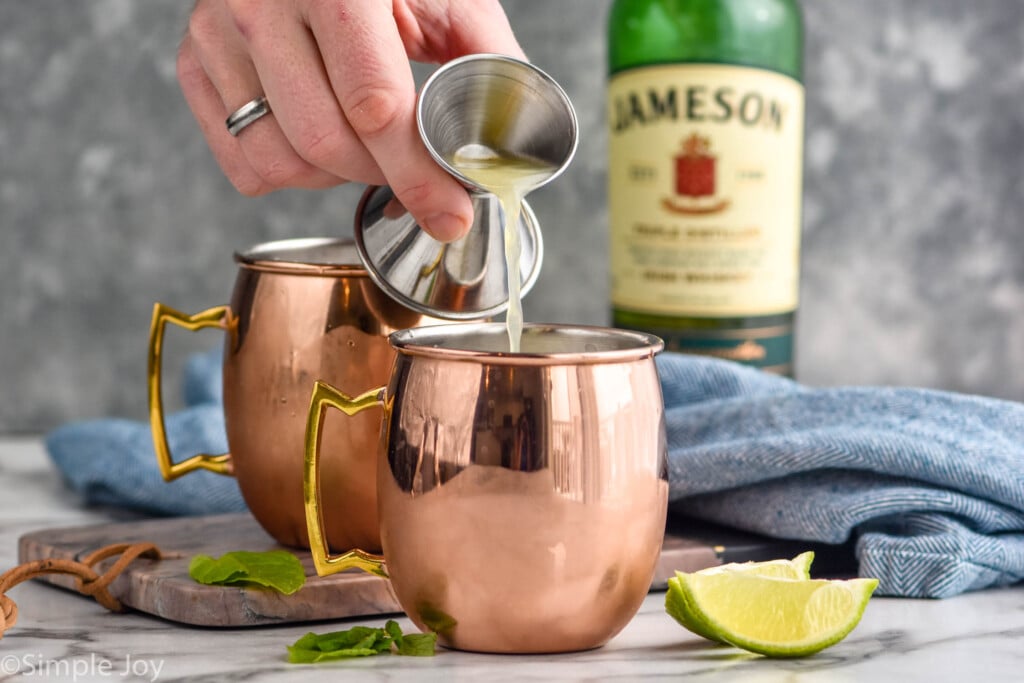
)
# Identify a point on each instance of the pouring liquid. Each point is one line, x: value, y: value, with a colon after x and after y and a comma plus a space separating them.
x: 509, y: 178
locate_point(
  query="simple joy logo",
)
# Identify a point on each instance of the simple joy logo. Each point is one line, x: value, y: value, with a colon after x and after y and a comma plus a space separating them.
x: 91, y: 667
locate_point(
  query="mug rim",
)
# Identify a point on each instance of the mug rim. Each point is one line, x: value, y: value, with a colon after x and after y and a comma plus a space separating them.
x: 272, y: 257
x: 424, y: 341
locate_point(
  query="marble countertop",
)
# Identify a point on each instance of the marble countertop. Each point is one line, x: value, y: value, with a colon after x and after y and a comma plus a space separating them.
x: 62, y: 636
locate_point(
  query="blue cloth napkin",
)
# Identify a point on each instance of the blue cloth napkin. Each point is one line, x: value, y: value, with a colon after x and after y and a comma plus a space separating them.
x: 930, y: 484
x: 112, y: 462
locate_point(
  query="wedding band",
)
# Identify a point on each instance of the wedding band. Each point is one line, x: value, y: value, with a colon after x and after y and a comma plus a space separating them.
x: 246, y: 114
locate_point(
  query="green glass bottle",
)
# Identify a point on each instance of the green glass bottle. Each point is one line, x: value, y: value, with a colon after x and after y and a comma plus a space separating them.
x: 706, y: 119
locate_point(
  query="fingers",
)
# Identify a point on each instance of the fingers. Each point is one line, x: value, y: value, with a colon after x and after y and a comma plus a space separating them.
x: 336, y: 74
x: 292, y: 72
x: 272, y: 162
x: 209, y: 111
x: 369, y: 73
x: 436, y: 31
x: 481, y: 26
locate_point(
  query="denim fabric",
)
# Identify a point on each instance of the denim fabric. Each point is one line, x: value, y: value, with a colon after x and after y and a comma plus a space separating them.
x: 930, y: 484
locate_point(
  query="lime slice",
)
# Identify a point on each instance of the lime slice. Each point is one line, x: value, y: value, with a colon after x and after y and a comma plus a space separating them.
x: 797, y: 568
x: 774, y: 616
x: 675, y: 602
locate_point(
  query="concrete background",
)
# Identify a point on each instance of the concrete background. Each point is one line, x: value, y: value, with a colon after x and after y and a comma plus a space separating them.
x: 913, y: 247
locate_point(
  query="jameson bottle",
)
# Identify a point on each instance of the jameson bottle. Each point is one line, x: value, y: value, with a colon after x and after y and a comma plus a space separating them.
x: 706, y: 116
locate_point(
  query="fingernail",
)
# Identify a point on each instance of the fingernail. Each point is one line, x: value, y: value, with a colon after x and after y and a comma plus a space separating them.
x: 446, y: 226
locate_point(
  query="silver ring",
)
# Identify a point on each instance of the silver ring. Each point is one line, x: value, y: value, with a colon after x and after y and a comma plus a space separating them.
x: 246, y: 114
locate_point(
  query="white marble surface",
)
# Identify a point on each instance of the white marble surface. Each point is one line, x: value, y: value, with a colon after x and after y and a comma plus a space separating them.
x: 61, y: 636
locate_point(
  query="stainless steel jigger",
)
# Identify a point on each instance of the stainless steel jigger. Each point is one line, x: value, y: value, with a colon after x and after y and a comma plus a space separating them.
x: 500, y: 103
x: 509, y: 106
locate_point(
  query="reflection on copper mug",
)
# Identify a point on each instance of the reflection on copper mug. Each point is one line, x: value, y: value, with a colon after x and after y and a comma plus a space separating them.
x: 302, y: 310
x: 522, y: 497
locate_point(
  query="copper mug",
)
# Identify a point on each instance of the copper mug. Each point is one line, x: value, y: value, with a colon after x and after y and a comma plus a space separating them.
x: 302, y: 310
x: 522, y: 497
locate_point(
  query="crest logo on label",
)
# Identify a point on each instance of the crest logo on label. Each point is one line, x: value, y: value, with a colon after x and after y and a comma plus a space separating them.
x: 695, y: 186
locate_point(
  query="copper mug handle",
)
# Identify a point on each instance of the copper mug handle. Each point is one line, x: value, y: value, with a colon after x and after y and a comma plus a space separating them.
x: 212, y: 317
x: 324, y: 396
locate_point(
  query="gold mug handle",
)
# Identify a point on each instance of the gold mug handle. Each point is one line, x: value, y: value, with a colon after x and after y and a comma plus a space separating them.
x: 212, y: 317
x: 324, y: 396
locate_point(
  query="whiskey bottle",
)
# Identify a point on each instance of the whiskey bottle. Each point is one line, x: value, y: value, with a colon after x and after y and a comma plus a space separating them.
x: 705, y: 120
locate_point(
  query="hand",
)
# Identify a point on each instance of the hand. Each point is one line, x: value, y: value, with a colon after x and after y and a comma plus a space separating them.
x: 337, y: 77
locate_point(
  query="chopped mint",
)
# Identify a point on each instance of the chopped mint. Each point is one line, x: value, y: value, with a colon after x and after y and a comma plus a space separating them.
x: 360, y: 641
x: 413, y: 644
x: 393, y: 629
x: 417, y: 645
x: 277, y: 569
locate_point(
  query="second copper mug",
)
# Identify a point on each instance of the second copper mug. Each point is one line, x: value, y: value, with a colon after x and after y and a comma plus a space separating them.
x: 302, y: 310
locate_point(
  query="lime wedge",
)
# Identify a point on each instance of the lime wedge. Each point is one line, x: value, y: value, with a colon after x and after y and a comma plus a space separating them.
x: 675, y: 602
x: 774, y: 616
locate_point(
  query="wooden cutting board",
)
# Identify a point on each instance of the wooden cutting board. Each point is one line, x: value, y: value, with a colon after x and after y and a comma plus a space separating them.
x: 164, y: 588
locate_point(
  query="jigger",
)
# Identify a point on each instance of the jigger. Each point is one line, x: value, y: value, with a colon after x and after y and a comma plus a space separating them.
x: 509, y: 107
x: 461, y: 280
x: 499, y: 103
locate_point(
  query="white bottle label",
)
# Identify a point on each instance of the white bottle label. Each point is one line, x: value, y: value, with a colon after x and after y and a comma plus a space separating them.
x: 705, y: 172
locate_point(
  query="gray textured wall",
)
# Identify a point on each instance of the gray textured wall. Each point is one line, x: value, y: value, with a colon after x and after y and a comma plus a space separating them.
x: 913, y: 247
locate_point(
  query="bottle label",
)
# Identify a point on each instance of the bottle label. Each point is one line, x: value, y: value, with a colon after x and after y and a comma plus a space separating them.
x: 704, y: 190
x: 767, y: 348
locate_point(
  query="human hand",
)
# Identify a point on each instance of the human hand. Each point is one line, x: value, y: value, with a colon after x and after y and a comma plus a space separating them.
x: 336, y: 75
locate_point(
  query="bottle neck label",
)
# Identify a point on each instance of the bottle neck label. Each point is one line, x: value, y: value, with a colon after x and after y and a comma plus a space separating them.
x: 705, y: 180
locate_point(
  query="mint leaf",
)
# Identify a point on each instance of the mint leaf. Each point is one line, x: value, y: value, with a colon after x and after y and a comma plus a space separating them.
x: 205, y: 569
x: 418, y: 645
x: 360, y: 641
x: 355, y: 637
x: 413, y: 644
x: 299, y: 656
x: 306, y: 642
x: 277, y: 569
x: 393, y: 629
